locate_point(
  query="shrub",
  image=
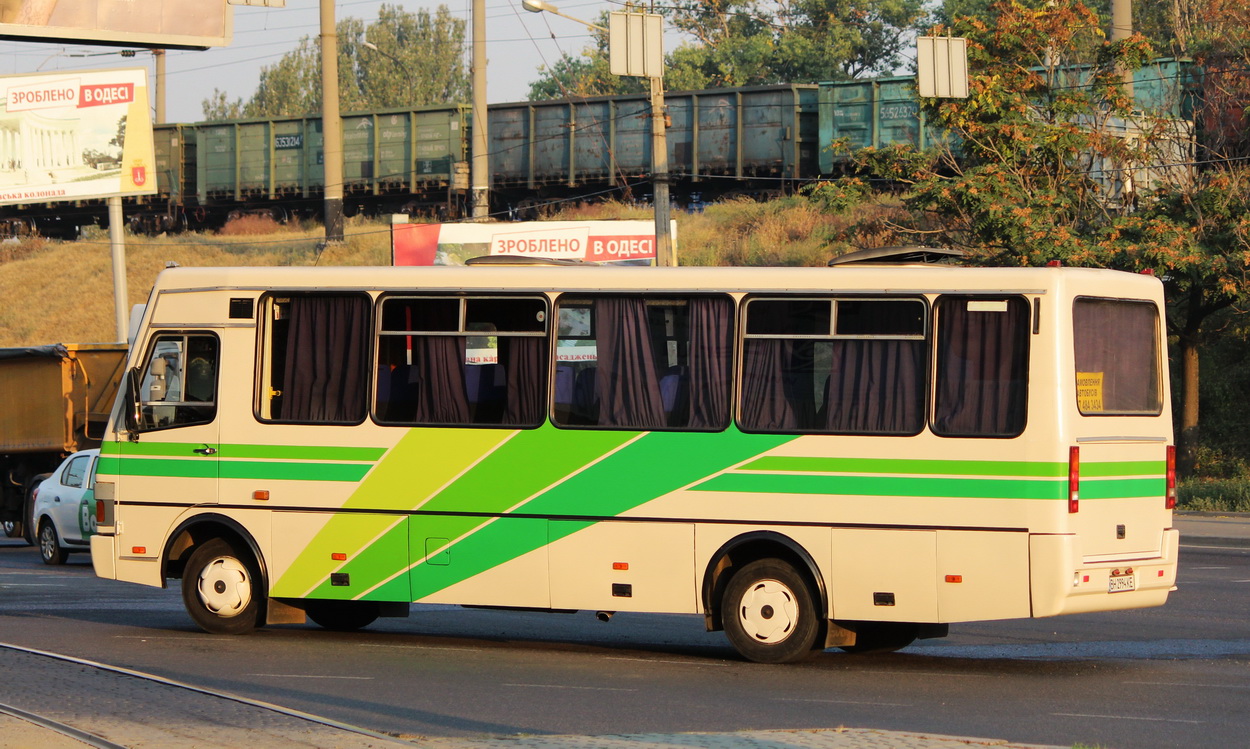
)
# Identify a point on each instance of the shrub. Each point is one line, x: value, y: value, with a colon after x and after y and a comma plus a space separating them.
x: 1219, y: 495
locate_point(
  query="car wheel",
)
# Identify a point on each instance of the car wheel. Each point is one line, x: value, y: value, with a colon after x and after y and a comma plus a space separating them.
x: 221, y: 588
x: 342, y: 616
x: 50, y: 544
x: 12, y: 528
x: 769, y: 613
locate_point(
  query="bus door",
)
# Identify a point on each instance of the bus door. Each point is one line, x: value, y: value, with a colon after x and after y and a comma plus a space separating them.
x: 171, y: 454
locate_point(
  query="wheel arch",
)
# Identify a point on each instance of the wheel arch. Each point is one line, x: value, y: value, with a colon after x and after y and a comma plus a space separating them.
x: 746, y: 548
x: 196, y: 530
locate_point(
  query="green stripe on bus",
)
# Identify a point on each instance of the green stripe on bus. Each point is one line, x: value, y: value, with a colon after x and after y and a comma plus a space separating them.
x: 1123, y: 468
x: 1123, y: 488
x: 884, y: 486
x: 199, y: 468
x: 656, y: 464
x: 462, y: 470
x: 259, y: 452
x: 1043, y: 469
x: 1038, y: 469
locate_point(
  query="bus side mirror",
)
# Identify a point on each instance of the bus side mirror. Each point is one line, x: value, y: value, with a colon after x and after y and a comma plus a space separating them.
x: 132, y: 405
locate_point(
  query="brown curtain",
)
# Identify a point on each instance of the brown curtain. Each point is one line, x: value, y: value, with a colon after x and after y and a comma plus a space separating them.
x: 439, y: 364
x: 627, y: 380
x: 711, y: 320
x: 876, y: 387
x: 982, y: 369
x: 325, y: 378
x: 525, y: 364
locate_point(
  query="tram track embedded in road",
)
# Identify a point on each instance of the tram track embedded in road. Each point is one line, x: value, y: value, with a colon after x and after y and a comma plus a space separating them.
x: 96, y: 741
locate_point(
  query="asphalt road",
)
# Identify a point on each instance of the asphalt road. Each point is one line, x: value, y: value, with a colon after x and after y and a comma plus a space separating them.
x: 1167, y: 677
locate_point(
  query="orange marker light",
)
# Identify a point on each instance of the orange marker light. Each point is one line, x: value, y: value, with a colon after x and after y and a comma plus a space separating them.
x: 954, y: 578
x: 620, y: 565
x: 260, y: 494
x: 138, y: 550
x: 339, y: 556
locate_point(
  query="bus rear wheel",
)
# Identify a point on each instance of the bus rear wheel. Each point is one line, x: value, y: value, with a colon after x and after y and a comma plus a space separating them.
x: 221, y: 588
x: 769, y: 613
x: 342, y: 616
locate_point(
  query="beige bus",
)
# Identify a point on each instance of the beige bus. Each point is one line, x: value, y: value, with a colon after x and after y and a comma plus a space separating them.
x: 853, y: 456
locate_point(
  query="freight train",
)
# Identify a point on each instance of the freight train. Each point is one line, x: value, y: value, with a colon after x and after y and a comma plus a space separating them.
x: 759, y: 141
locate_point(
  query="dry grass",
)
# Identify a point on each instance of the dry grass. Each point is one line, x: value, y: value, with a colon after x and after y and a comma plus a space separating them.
x: 63, y: 291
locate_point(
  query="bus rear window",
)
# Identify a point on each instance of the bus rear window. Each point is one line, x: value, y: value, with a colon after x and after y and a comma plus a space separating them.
x: 1116, y: 345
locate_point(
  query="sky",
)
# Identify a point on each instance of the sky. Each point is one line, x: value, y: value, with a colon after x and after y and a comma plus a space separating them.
x: 517, y: 44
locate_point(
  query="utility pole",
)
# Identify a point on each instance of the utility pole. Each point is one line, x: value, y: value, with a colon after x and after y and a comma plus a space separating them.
x: 480, y: 173
x: 159, y: 56
x: 1122, y: 28
x: 331, y: 125
x: 664, y: 254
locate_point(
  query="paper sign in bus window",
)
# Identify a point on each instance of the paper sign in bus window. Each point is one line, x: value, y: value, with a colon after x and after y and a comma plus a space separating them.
x: 1089, y: 391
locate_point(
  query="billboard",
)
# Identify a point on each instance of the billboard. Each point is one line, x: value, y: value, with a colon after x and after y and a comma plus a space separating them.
x: 187, y: 24
x: 70, y: 136
x: 631, y: 242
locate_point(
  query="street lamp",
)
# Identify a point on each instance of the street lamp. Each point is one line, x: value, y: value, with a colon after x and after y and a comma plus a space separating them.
x: 627, y: 47
x: 374, y: 47
x: 539, y: 6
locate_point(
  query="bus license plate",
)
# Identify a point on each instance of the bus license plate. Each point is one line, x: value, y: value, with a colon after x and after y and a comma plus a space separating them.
x: 1121, y: 583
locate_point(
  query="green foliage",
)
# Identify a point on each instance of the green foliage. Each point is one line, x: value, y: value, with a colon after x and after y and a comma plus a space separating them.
x: 418, y: 60
x: 839, y: 195
x: 731, y: 43
x: 1219, y: 495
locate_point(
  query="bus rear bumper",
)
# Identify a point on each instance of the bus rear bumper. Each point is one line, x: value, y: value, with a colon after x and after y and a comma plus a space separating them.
x: 104, y: 556
x: 1063, y: 583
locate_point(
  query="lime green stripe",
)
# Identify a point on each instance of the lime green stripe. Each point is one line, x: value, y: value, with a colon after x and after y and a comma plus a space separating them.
x: 1039, y: 469
x: 656, y: 464
x: 233, y: 469
x: 263, y: 452
x: 1043, y: 469
x: 1123, y: 468
x: 880, y: 486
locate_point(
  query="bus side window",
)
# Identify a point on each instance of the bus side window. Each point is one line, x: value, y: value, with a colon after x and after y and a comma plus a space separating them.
x: 982, y: 366
x: 179, y: 385
x: 644, y: 362
x: 314, y: 356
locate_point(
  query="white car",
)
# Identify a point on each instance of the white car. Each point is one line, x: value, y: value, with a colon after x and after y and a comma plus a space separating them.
x: 64, y: 513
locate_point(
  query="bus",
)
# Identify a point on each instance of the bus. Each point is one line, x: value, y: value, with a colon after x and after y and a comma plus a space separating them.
x: 853, y: 456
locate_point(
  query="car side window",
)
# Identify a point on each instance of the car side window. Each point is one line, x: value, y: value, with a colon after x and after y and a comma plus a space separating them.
x: 75, y: 472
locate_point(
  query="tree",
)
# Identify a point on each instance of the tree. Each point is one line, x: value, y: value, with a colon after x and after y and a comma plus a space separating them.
x: 1054, y: 163
x: 418, y: 60
x: 735, y: 43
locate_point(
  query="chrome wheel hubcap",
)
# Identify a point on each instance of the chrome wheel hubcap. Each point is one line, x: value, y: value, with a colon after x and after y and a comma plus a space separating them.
x: 225, y: 587
x: 768, y: 611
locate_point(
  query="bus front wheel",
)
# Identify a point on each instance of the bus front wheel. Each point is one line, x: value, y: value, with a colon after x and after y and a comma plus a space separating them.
x: 769, y: 613
x: 221, y: 588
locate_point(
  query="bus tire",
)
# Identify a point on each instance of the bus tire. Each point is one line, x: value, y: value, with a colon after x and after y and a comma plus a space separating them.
x: 50, y: 544
x: 881, y: 637
x: 343, y: 616
x: 221, y: 588
x: 769, y: 613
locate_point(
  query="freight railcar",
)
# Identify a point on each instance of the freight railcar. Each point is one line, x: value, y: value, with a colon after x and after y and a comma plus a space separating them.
x: 759, y: 141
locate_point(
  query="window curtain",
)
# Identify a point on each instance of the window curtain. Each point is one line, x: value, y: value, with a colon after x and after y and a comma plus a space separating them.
x: 524, y: 362
x: 439, y: 363
x: 710, y: 330
x: 327, y: 342
x: 982, y: 369
x: 875, y: 387
x: 627, y: 381
x: 765, y: 366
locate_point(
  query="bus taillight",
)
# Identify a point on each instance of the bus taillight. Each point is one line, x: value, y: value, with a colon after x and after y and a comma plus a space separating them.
x: 1074, y: 479
x: 1169, y: 500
